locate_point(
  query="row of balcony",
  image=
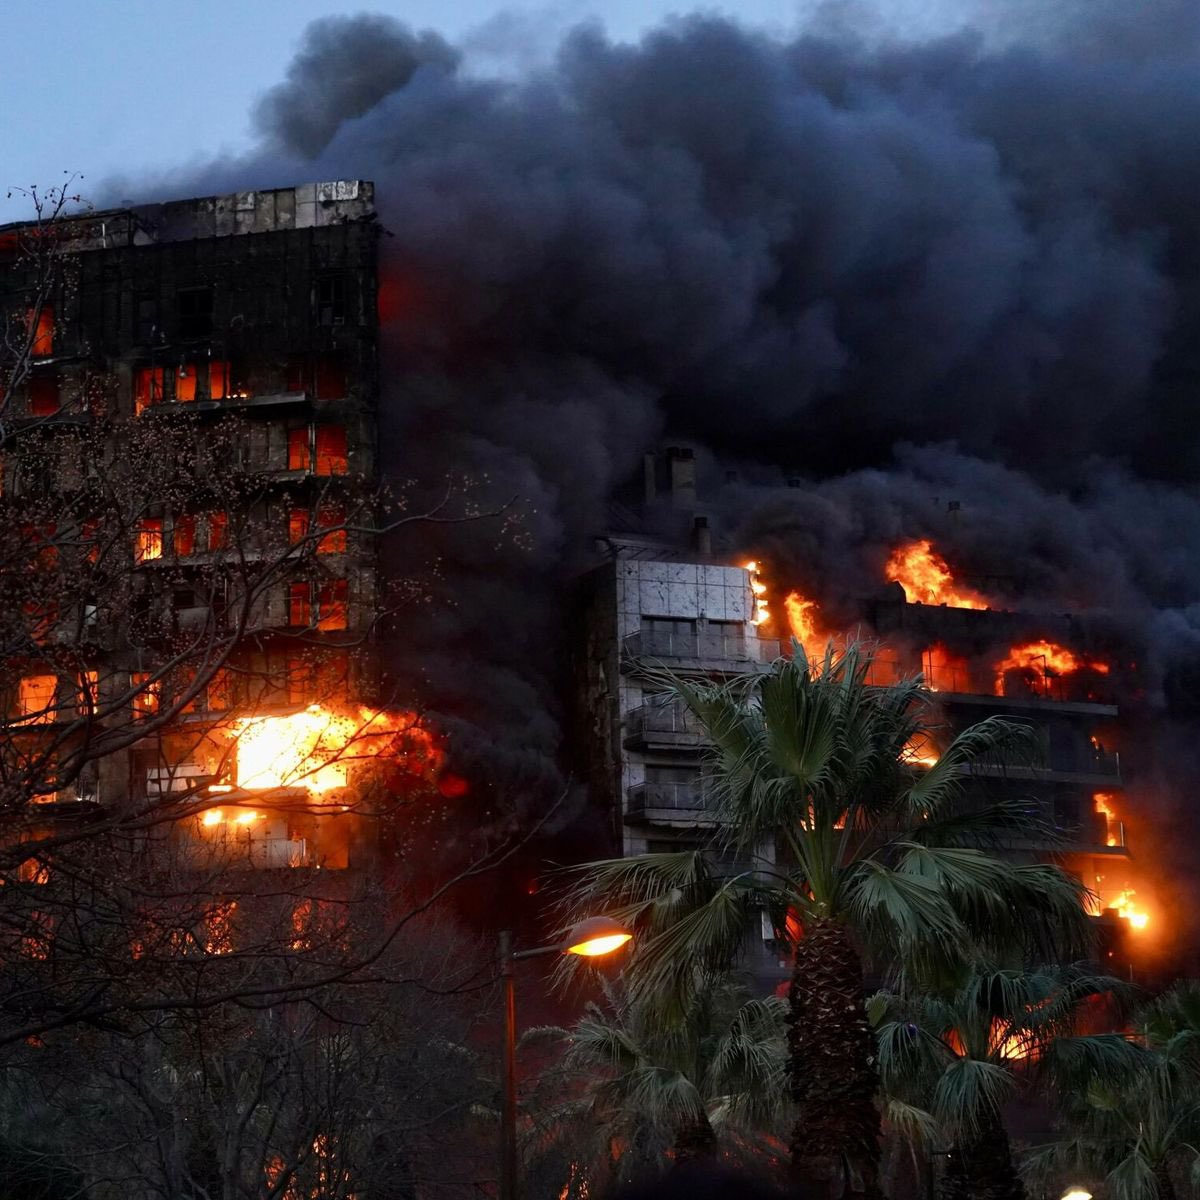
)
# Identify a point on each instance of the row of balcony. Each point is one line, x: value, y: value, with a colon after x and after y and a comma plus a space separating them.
x: 703, y: 649
x: 691, y: 802
x: 670, y: 724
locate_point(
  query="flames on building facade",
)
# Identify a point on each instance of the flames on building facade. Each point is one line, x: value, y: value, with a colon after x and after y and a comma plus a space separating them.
x: 1038, y: 668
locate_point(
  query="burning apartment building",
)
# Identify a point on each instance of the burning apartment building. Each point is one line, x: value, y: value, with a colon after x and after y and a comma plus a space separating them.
x: 690, y: 602
x: 190, y: 469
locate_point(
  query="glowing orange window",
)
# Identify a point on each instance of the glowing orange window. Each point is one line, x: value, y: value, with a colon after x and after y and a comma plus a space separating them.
x: 218, y: 530
x: 332, y: 605
x: 145, y: 694
x: 184, y: 535
x: 327, y: 518
x: 218, y: 380
x: 299, y: 605
x: 335, y: 541
x: 43, y: 394
x: 36, y: 698
x: 41, y: 326
x: 147, y: 388
x: 331, y: 450
x: 33, y: 871
x: 148, y: 542
x: 297, y: 525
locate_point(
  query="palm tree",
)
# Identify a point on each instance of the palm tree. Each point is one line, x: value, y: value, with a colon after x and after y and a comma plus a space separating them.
x: 628, y: 1093
x: 955, y: 1058
x: 1133, y: 1117
x: 854, y: 846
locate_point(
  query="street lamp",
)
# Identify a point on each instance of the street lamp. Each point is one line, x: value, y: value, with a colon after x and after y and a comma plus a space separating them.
x: 1076, y: 1193
x: 591, y: 938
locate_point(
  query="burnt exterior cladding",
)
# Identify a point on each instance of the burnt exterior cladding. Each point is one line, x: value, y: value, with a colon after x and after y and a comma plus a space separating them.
x: 248, y: 321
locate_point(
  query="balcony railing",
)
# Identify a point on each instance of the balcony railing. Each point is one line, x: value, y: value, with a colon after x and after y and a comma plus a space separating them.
x: 1015, y: 685
x: 701, y: 646
x: 683, y: 798
x: 671, y: 720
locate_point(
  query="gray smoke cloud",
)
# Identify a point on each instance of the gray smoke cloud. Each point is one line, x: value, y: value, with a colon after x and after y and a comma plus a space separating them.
x: 959, y: 268
x: 344, y: 67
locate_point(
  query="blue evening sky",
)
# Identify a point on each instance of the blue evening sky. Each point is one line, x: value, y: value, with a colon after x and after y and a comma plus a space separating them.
x: 125, y: 86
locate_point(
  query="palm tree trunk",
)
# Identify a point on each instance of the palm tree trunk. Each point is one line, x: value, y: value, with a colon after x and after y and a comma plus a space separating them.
x: 1164, y: 1182
x: 832, y: 1067
x: 953, y: 1183
x: 695, y: 1140
x: 988, y: 1164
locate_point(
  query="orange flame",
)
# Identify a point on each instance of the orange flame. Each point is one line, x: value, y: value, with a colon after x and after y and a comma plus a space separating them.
x: 1102, y: 802
x: 802, y: 617
x: 920, y: 751
x: 926, y: 579
x: 762, y: 607
x: 944, y: 671
x: 1127, y: 910
x: 318, y: 748
x: 1045, y: 660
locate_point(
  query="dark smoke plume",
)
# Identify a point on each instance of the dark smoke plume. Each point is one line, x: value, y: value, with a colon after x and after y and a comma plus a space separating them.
x: 344, y: 68
x: 899, y: 272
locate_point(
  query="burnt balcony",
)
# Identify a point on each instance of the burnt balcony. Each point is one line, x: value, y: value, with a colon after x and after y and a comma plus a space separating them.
x: 705, y: 650
x: 1081, y: 691
x: 667, y: 724
x: 670, y: 802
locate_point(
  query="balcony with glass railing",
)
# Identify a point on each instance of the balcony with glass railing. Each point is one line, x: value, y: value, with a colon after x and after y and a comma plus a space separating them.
x: 665, y: 723
x: 702, y: 649
x: 670, y: 801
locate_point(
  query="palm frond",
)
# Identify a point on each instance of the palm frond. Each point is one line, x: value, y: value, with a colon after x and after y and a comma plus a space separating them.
x: 910, y: 1122
x: 905, y: 912
x: 970, y: 1092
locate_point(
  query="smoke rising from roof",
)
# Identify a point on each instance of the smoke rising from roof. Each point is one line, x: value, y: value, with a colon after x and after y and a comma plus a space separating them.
x: 957, y: 268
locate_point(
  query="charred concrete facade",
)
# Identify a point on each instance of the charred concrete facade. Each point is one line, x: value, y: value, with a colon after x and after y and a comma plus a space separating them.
x: 665, y: 601
x: 249, y: 321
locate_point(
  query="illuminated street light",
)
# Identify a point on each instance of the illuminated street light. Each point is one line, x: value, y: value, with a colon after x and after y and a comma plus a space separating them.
x: 1076, y: 1193
x: 592, y: 937
x: 595, y: 936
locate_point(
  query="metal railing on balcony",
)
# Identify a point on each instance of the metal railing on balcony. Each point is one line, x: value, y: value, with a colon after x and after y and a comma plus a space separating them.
x: 1028, y: 684
x: 1104, y: 762
x: 700, y: 645
x: 682, y: 798
x: 672, y: 718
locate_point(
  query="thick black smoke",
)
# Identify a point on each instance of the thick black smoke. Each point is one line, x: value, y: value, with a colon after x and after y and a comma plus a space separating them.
x: 803, y: 254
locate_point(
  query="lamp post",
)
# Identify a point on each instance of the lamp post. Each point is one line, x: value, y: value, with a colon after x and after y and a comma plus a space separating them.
x: 591, y: 938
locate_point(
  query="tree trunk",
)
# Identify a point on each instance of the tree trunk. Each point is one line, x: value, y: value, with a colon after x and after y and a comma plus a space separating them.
x: 1164, y: 1183
x: 952, y: 1182
x: 987, y: 1161
x: 832, y: 1068
x: 695, y: 1140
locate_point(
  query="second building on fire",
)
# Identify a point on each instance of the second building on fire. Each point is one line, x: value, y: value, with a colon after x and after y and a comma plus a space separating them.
x: 689, y: 606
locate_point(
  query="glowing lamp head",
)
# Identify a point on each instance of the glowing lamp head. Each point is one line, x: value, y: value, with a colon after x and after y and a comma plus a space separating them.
x: 596, y: 936
x: 1077, y: 1193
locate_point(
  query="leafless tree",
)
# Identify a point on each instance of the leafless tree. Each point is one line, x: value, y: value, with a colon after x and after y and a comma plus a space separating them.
x: 171, y: 614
